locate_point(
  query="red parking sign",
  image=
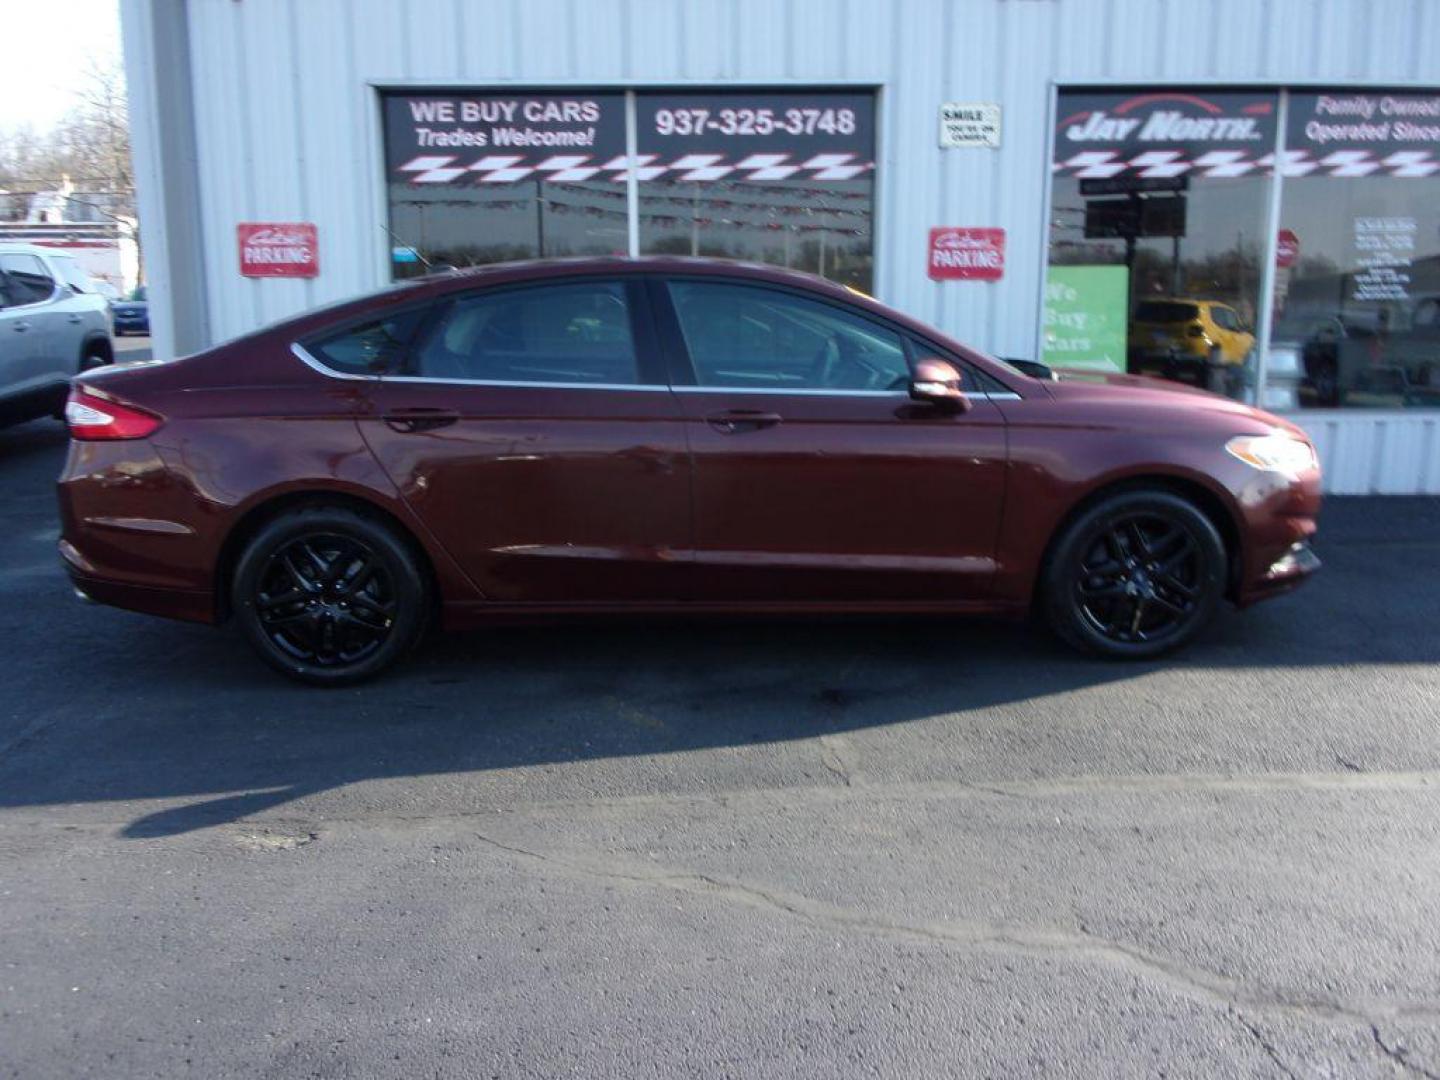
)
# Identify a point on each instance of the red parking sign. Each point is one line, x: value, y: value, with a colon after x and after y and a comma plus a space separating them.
x: 967, y: 254
x: 278, y: 249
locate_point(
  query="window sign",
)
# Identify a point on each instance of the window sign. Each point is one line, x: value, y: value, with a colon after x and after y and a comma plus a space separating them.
x: 783, y: 178
x: 1085, y: 315
x: 1359, y: 302
x: 1167, y: 190
x: 1347, y: 134
x: 482, y: 177
x: 1164, y: 134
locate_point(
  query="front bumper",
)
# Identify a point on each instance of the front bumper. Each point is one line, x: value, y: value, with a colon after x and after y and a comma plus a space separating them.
x: 1291, y: 570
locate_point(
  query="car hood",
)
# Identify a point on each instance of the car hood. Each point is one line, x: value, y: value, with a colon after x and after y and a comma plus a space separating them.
x: 1135, y: 395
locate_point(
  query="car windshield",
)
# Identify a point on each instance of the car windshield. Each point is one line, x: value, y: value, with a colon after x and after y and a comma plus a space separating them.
x: 1163, y: 311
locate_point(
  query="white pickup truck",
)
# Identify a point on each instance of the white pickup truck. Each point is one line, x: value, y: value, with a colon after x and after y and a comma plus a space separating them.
x: 53, y: 324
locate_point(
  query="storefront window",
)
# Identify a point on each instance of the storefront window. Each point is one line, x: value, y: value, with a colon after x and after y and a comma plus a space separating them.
x: 1357, y: 288
x: 1157, y: 234
x: 782, y: 178
x: 786, y: 179
x: 482, y: 178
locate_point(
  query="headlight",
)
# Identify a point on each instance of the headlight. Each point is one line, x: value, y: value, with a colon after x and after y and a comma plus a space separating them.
x: 1283, y: 454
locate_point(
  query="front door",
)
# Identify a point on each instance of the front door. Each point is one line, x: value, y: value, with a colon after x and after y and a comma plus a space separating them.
x: 532, y: 432
x: 817, y: 478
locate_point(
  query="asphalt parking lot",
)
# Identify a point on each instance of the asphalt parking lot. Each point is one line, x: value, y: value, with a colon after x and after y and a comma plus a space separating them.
x: 842, y: 849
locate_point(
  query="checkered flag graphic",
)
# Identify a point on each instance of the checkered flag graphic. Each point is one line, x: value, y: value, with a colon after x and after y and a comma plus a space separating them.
x: 576, y: 168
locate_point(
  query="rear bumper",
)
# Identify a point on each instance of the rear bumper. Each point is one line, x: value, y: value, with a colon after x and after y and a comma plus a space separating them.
x: 160, y: 564
x: 167, y: 603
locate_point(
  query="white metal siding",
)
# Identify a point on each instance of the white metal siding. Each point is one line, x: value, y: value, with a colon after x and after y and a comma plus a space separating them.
x: 287, y: 130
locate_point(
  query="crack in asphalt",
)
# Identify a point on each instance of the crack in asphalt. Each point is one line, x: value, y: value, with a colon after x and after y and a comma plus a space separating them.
x: 1265, y: 1044
x: 1193, y: 982
x: 1400, y: 1056
x: 837, y: 755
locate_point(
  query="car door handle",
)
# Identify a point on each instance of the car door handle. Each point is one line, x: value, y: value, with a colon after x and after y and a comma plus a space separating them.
x: 409, y: 421
x: 20, y: 326
x: 74, y: 317
x: 734, y: 421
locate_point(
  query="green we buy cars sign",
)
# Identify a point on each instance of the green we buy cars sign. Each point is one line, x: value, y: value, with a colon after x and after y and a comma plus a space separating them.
x: 1085, y: 316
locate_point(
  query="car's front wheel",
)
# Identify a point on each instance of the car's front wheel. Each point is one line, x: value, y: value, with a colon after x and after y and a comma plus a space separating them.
x: 1136, y: 575
x: 330, y: 596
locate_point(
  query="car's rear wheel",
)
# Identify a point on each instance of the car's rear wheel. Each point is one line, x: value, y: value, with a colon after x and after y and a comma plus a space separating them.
x: 1136, y: 575
x: 330, y: 596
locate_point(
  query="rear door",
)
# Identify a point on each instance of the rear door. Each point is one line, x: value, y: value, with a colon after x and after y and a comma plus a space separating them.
x: 817, y: 478
x: 531, y: 429
x: 28, y: 351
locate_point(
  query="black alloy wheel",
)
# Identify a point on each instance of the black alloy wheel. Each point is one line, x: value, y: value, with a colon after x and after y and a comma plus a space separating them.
x: 329, y: 595
x: 326, y: 600
x: 1137, y: 575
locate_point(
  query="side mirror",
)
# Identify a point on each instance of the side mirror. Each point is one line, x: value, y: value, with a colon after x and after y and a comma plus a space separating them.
x: 936, y: 382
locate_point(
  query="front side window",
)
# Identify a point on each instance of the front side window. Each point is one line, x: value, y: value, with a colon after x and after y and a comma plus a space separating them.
x: 24, y: 280
x: 372, y: 348
x: 545, y: 334
x: 741, y: 336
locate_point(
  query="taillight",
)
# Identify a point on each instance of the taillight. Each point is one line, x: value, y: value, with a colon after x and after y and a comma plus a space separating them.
x: 90, y: 416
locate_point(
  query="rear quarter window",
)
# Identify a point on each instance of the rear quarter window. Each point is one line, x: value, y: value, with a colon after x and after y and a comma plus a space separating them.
x: 370, y: 348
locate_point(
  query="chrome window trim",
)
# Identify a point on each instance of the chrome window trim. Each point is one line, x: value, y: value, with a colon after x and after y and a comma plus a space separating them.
x: 534, y: 384
x: 808, y: 391
x: 310, y: 361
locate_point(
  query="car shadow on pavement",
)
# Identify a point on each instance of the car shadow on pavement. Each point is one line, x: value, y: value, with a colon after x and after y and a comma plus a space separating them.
x: 119, y: 708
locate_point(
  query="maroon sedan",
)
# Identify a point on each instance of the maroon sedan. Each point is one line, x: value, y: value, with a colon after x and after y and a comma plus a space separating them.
x: 660, y: 436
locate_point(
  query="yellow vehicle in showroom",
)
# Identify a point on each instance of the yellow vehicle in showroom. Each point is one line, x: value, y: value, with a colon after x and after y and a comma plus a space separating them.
x: 1201, y: 342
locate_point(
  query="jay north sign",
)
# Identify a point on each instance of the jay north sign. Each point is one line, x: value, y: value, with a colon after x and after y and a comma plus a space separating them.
x: 1163, y: 134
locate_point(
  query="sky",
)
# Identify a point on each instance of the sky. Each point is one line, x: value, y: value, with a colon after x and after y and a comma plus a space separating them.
x: 38, y: 80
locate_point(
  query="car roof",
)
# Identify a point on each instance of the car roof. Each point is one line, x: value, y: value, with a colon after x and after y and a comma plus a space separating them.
x: 439, y: 283
x: 15, y: 247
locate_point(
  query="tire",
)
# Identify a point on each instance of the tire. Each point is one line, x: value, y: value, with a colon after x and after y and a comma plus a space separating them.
x: 1142, y: 550
x: 94, y: 357
x: 329, y: 595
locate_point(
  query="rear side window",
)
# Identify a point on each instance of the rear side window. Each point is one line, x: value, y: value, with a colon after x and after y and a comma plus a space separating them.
x: 1164, y: 311
x: 544, y: 334
x: 24, y: 280
x: 371, y: 348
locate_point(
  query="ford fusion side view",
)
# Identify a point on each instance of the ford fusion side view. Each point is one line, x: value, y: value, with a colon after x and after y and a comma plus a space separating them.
x: 662, y: 436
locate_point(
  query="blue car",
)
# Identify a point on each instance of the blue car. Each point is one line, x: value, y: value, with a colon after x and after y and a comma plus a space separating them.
x: 131, y: 316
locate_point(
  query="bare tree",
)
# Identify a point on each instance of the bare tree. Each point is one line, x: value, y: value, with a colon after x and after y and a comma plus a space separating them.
x: 90, y: 144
